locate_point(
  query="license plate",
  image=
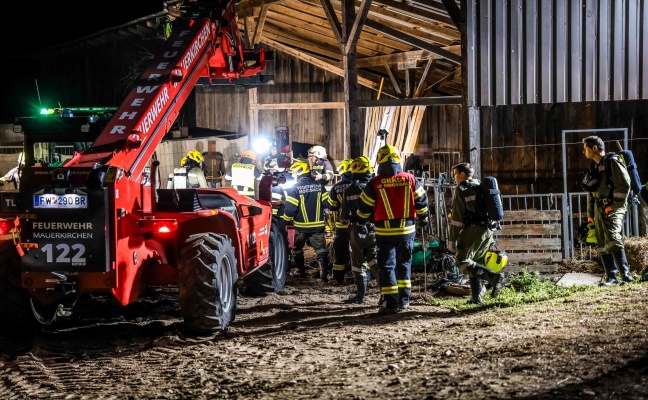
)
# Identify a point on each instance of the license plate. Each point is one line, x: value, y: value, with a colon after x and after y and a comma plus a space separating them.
x: 52, y: 200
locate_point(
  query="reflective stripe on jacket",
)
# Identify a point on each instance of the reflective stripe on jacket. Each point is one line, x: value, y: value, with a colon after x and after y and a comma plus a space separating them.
x: 395, y: 201
x: 305, y: 205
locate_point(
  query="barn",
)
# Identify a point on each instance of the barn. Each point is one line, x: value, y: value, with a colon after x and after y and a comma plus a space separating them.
x: 511, y: 87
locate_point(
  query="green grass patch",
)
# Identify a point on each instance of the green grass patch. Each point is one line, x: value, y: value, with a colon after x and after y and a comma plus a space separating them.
x: 520, y: 288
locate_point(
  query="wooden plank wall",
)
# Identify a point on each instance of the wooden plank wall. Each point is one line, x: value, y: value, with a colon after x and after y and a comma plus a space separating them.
x: 522, y: 144
x: 531, y: 236
x: 295, y: 82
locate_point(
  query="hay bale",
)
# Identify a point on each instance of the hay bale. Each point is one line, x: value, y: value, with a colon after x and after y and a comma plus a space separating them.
x: 637, y: 252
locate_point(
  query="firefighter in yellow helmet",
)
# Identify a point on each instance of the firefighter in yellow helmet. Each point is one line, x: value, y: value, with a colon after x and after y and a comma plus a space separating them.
x: 341, y: 252
x: 398, y: 203
x: 14, y: 174
x: 305, y: 206
x: 243, y: 174
x: 363, y: 247
x: 190, y: 174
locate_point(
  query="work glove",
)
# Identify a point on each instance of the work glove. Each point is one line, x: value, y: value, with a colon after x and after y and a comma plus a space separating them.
x: 317, y: 176
x: 608, y: 210
x: 3, y: 181
x: 362, y: 231
x: 422, y: 224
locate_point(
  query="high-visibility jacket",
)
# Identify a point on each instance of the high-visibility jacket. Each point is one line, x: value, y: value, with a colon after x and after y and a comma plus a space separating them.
x: 395, y: 202
x: 242, y: 176
x: 305, y: 205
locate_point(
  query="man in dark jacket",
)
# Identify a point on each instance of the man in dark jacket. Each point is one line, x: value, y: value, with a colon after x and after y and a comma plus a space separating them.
x: 398, y: 203
x: 341, y: 252
x: 363, y: 247
x: 606, y: 208
x: 305, y: 207
x: 472, y: 232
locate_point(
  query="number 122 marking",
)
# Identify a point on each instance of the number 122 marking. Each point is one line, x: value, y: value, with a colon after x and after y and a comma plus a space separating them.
x: 64, y: 250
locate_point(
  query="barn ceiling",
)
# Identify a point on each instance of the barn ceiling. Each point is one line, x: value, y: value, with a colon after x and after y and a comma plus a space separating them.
x: 405, y: 49
x: 413, y: 47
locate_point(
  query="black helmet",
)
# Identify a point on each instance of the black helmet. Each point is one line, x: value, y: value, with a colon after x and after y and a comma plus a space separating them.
x: 589, y: 180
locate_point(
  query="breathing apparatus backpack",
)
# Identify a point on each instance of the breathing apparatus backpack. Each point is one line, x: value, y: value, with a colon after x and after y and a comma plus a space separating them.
x: 635, y: 182
x: 492, y: 201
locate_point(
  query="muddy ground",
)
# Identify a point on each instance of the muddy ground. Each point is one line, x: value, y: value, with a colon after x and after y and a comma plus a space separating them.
x: 306, y: 343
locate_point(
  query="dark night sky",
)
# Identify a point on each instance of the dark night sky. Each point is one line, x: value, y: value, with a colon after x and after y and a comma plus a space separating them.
x: 41, y: 25
x: 36, y: 26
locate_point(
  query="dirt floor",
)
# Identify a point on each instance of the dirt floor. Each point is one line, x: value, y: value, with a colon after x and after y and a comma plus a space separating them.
x: 306, y: 343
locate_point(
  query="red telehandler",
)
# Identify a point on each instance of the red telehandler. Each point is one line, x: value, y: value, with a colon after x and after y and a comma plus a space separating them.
x: 100, y: 223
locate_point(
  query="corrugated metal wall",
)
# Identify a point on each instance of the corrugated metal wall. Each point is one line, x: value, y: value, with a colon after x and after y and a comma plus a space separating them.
x: 549, y: 51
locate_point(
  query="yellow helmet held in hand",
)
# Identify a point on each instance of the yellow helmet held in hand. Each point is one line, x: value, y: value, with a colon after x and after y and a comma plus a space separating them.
x: 496, y: 260
x: 344, y: 166
x: 300, y: 167
x: 183, y: 161
x: 587, y: 234
x: 361, y: 165
x: 387, y: 153
x: 249, y: 154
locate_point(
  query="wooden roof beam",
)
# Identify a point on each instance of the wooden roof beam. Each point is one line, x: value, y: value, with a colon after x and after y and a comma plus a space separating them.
x: 430, y: 15
x: 416, y: 42
x: 454, y: 12
x: 334, y: 69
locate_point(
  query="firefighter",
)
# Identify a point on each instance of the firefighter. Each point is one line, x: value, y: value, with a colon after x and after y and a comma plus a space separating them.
x: 243, y: 174
x: 606, y: 208
x: 305, y: 208
x: 399, y: 205
x: 14, y: 174
x: 363, y: 247
x: 321, y: 167
x: 472, y: 234
x: 271, y: 163
x: 341, y: 238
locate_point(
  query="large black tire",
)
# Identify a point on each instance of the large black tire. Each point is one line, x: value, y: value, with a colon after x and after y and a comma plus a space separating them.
x: 271, y: 277
x: 208, y: 283
x: 15, y: 306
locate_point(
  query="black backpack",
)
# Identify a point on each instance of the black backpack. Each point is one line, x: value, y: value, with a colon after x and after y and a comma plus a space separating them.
x: 491, y: 199
x: 631, y: 166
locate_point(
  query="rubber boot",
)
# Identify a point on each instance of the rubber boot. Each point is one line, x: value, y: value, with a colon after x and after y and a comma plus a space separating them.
x: 338, y: 274
x: 299, y: 264
x: 621, y: 262
x: 361, y: 288
x: 493, y: 278
x: 610, y: 270
x: 475, y: 290
x: 323, y: 269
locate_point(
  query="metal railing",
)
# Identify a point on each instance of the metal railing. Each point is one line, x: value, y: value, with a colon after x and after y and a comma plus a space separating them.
x: 573, y: 211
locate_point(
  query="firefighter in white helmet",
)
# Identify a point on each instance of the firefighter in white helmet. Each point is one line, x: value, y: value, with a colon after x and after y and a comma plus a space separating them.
x: 321, y: 167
